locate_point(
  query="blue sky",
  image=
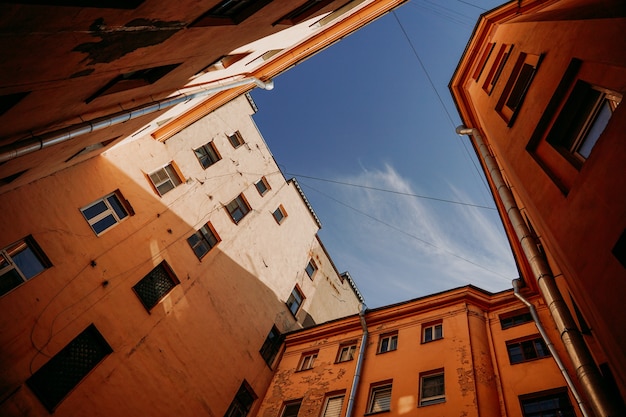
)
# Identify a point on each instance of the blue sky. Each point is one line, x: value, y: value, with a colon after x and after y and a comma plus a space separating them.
x: 363, y: 112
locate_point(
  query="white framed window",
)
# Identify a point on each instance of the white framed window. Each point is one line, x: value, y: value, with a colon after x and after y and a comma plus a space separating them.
x: 432, y: 388
x: 207, y: 155
x: 106, y: 212
x: 346, y: 352
x: 432, y: 331
x: 279, y: 214
x: 333, y: 406
x: 238, y: 208
x: 19, y: 262
x: 388, y: 342
x: 236, y: 139
x: 295, y: 300
x: 262, y: 186
x: 165, y: 179
x: 307, y: 361
x: 203, y: 240
x: 380, y: 399
x: 311, y: 268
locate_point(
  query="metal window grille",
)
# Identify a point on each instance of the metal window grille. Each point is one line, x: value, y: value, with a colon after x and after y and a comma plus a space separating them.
x: 154, y: 286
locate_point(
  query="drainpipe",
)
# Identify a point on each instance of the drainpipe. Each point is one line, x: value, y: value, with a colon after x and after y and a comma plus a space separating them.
x: 359, y: 362
x: 588, y: 375
x: 38, y: 143
x: 550, y: 345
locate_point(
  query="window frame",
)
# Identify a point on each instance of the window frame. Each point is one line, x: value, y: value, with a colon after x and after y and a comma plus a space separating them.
x: 333, y: 397
x: 482, y: 63
x: 559, y: 394
x: 110, y: 210
x: 236, y: 139
x: 431, y: 399
x: 349, y: 348
x: 515, y: 318
x: 173, y: 174
x: 271, y: 346
x: 517, y: 86
x: 210, y: 153
x: 173, y: 281
x: 280, y: 214
x: 213, y: 17
x: 238, y: 406
x: 287, y: 404
x: 375, y: 389
x: 392, y: 342
x: 205, y: 235
x: 266, y: 186
x: 432, y: 326
x: 497, y: 67
x: 302, y: 12
x: 295, y: 298
x: 307, y: 361
x: 311, y: 268
x: 238, y: 204
x: 8, y: 264
x: 523, y: 343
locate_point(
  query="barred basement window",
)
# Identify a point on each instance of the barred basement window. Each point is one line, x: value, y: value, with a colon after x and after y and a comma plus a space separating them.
x: 156, y: 285
x: 61, y: 374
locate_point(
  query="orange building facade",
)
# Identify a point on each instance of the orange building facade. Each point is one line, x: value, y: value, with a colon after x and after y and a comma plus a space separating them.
x: 461, y: 352
x: 539, y: 89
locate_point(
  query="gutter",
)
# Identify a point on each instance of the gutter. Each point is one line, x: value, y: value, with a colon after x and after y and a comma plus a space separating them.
x: 359, y: 362
x: 37, y: 143
x: 588, y: 375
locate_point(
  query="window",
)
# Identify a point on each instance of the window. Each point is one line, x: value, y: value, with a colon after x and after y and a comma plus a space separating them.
x: 302, y: 12
x: 271, y: 346
x: 58, y: 377
x: 307, y: 361
x: 262, y: 186
x: 223, y: 62
x: 238, y: 208
x: 291, y: 409
x: 582, y: 120
x: 242, y: 403
x: 106, y: 212
x: 279, y: 214
x: 346, y: 352
x: 527, y: 350
x: 311, y: 268
x: 483, y: 61
x: 380, y: 399
x: 156, y: 285
x: 517, y: 86
x: 497, y: 67
x: 515, y: 318
x: 388, y: 342
x: 8, y: 101
x: 207, y: 155
x: 230, y: 12
x: 333, y: 406
x: 19, y: 262
x: 295, y: 300
x: 165, y: 179
x: 93, y: 147
x: 132, y: 80
x: 432, y: 388
x: 432, y: 332
x: 236, y: 139
x: 547, y: 403
x: 203, y: 240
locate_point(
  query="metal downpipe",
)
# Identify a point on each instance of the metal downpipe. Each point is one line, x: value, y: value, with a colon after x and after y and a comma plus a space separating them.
x: 38, y: 143
x: 359, y: 362
x: 588, y: 375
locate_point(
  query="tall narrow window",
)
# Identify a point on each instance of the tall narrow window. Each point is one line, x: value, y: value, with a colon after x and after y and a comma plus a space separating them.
x: 388, y: 342
x: 333, y: 406
x: 242, y: 403
x: 432, y: 331
x: 207, y: 155
x: 483, y: 61
x: 156, y: 285
x: 106, y: 212
x: 517, y: 86
x: 271, y: 346
x: 295, y: 300
x: 203, y: 240
x: 19, y: 262
x: 238, y: 208
x: 311, y: 268
x: 58, y: 377
x: 432, y: 388
x: 380, y: 399
x: 165, y: 179
x: 496, y: 68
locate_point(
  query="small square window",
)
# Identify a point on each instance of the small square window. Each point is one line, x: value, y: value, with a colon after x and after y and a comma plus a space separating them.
x: 432, y: 332
x: 262, y: 186
x: 527, y: 350
x: 432, y: 388
x: 311, y: 268
x: 236, y: 139
x: 346, y: 352
x: 380, y: 399
x: 307, y: 361
x: 20, y: 262
x: 294, y: 302
x: 203, y: 240
x: 291, y: 409
x: 106, y: 212
x: 242, y: 403
x: 238, y: 208
x: 65, y: 370
x: 229, y: 12
x: 207, y: 155
x: 271, y: 346
x: 165, y: 179
x: 156, y: 285
x: 388, y: 342
x: 279, y: 214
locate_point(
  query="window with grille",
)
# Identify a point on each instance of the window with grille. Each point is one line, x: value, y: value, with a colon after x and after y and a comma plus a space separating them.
x: 207, y: 155
x: 58, y: 377
x: 242, y: 403
x: 432, y: 388
x: 106, y: 212
x: 346, y: 352
x: 295, y: 300
x: 547, y: 403
x: 527, y: 350
x: 380, y: 399
x: 238, y: 208
x: 271, y: 346
x: 432, y: 332
x: 165, y: 179
x: 311, y: 268
x: 19, y: 262
x: 388, y: 342
x: 333, y: 406
x: 156, y: 285
x: 230, y: 12
x: 279, y: 214
x: 203, y: 240
x: 262, y: 186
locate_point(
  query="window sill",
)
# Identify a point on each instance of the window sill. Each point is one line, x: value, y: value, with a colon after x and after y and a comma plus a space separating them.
x: 432, y: 402
x: 430, y: 341
x: 387, y: 351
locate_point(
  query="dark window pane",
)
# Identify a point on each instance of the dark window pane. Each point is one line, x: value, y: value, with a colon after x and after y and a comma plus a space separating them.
x: 9, y: 280
x: 102, y: 225
x: 117, y: 206
x: 93, y: 211
x: 154, y: 286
